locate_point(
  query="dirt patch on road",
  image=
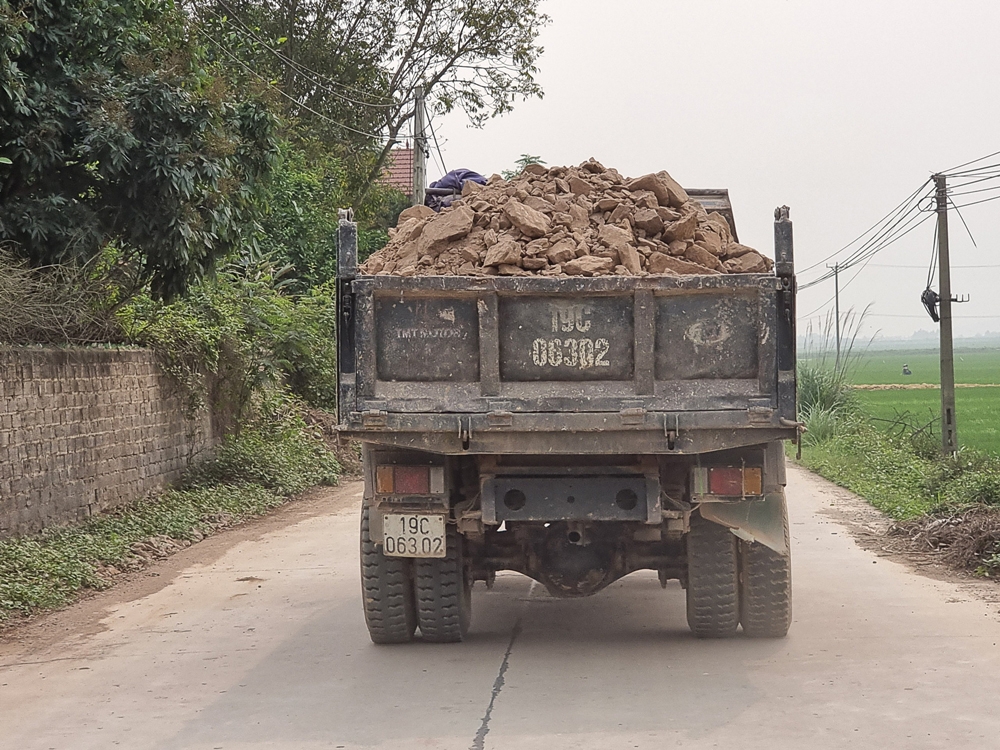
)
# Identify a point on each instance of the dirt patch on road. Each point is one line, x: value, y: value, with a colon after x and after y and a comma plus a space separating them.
x: 940, y: 555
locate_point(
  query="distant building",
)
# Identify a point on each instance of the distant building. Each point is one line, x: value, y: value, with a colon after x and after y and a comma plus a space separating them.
x: 399, y: 170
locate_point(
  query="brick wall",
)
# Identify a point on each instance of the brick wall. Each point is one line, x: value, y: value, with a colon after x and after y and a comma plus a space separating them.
x: 84, y: 430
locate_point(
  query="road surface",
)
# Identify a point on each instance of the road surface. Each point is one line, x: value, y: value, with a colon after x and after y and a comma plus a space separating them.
x: 255, y: 639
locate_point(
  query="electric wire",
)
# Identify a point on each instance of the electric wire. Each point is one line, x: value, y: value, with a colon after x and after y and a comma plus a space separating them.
x: 304, y: 69
x: 430, y: 124
x: 954, y: 170
x: 290, y: 98
x: 887, y: 217
x: 896, y: 233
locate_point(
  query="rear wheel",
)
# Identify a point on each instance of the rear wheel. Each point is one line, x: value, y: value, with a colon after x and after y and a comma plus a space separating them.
x: 765, y: 588
x: 713, y: 583
x: 444, y: 594
x: 387, y: 588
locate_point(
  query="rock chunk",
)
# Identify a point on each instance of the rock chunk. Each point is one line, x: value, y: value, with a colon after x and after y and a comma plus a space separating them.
x: 531, y: 222
x: 505, y: 252
x: 444, y: 228
x: 585, y: 220
x: 414, y: 212
x: 588, y: 265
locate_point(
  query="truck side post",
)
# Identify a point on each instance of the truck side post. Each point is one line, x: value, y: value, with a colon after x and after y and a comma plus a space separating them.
x: 347, y: 271
x: 784, y: 268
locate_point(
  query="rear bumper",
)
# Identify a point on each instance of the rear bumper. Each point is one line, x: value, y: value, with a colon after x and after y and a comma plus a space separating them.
x: 632, y: 432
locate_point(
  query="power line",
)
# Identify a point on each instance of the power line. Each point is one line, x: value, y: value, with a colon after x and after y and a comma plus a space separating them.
x: 981, y: 158
x: 893, y: 265
x: 302, y: 68
x: 430, y: 123
x: 290, y: 98
x: 865, y: 253
x: 877, y: 224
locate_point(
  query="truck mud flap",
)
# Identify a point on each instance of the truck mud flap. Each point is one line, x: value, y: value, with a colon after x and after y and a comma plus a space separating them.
x: 752, y: 520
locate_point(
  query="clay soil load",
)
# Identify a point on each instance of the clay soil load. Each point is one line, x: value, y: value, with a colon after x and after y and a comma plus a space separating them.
x: 566, y: 221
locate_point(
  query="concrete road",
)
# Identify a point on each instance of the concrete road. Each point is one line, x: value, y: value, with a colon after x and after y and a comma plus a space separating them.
x: 255, y: 639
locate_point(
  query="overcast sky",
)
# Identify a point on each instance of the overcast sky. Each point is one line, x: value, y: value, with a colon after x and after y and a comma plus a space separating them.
x: 838, y: 109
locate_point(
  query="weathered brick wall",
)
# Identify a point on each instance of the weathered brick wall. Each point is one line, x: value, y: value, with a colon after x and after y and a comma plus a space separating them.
x: 84, y: 430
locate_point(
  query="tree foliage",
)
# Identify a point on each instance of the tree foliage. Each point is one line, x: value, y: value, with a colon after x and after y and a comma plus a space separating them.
x: 348, y: 69
x: 118, y: 132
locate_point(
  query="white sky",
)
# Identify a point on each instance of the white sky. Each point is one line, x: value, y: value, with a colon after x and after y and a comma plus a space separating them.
x: 838, y: 109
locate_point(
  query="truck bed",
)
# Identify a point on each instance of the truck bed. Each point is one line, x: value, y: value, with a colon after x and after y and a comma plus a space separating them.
x: 657, y: 364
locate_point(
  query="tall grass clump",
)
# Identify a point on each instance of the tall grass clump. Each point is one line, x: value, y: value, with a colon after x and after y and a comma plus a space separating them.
x: 826, y: 398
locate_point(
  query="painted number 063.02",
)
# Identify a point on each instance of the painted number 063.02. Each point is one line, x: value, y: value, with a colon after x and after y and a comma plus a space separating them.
x: 582, y: 353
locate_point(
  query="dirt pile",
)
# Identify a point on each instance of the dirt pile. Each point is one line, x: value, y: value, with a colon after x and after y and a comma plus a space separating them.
x: 566, y: 221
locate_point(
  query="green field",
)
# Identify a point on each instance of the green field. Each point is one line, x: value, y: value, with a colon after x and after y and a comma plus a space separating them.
x: 971, y: 366
x: 977, y: 412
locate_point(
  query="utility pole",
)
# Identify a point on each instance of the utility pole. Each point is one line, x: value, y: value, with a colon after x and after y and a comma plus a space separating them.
x: 419, y: 147
x: 949, y: 430
x: 836, y: 309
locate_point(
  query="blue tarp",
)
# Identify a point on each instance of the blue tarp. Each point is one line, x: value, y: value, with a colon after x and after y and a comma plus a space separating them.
x: 442, y: 192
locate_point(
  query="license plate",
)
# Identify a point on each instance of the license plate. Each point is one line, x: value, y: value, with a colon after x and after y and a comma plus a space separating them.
x: 413, y: 535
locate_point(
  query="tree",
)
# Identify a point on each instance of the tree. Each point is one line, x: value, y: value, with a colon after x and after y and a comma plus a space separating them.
x: 118, y: 133
x: 348, y: 69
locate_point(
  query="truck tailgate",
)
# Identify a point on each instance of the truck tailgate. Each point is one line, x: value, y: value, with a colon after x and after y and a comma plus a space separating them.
x: 626, y: 345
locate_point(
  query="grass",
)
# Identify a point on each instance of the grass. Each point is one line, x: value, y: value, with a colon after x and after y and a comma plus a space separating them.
x: 977, y: 412
x: 882, y: 367
x: 251, y: 474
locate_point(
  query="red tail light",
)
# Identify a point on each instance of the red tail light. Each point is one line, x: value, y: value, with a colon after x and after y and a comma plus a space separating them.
x: 412, y: 480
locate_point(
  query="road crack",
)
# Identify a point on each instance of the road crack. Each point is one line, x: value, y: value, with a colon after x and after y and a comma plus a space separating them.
x: 484, y: 728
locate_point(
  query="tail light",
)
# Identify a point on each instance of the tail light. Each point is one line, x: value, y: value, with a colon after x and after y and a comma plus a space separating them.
x: 728, y: 481
x: 409, y: 480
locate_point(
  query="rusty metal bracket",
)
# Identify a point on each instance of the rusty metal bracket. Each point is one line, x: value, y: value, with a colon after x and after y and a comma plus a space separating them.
x: 500, y: 419
x: 800, y: 429
x: 671, y: 433
x: 374, y: 418
x: 465, y: 431
x: 633, y: 416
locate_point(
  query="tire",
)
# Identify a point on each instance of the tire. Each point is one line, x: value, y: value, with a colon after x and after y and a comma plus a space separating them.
x: 713, y: 581
x: 444, y: 594
x: 765, y: 589
x: 387, y: 590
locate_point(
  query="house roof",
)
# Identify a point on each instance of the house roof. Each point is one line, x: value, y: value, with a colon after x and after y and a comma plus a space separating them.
x: 399, y: 170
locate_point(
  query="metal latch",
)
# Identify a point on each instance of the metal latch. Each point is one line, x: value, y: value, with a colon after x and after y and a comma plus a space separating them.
x: 374, y: 418
x: 633, y: 416
x: 500, y: 419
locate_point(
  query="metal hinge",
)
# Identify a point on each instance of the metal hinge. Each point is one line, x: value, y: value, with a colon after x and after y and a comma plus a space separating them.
x: 374, y: 418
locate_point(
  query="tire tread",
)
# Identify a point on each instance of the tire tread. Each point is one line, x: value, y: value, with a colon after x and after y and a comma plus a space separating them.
x: 387, y: 590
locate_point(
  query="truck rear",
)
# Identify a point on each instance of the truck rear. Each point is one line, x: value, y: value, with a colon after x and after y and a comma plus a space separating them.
x: 574, y: 430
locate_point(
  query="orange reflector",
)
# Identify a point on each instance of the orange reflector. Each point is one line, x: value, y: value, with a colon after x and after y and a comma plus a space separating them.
x: 412, y: 480
x: 383, y: 480
x: 734, y: 482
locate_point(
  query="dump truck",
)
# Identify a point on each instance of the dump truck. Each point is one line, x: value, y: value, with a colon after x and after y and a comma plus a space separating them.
x: 574, y: 430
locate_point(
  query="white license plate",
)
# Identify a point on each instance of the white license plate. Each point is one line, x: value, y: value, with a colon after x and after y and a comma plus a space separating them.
x: 413, y: 535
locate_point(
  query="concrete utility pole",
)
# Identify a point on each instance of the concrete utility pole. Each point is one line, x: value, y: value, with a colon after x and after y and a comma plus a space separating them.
x: 949, y: 430
x: 419, y: 147
x: 836, y: 307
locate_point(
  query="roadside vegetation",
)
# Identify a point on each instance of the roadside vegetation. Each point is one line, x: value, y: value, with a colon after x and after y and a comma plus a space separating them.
x: 171, y: 176
x: 251, y: 474
x: 876, y: 444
